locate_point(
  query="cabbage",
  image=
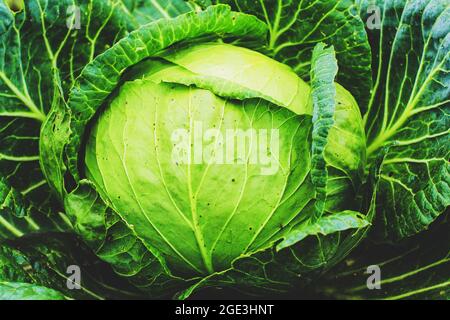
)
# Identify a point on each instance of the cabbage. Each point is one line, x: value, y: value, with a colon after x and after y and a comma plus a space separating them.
x: 207, y: 155
x: 161, y: 148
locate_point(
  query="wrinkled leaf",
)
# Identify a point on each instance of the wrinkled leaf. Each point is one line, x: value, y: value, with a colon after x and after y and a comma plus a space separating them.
x: 409, y: 112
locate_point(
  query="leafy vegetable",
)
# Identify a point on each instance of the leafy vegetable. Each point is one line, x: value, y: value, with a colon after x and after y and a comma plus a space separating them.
x: 169, y: 147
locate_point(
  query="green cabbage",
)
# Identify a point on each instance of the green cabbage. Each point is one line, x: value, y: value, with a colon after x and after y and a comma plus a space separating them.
x: 206, y: 154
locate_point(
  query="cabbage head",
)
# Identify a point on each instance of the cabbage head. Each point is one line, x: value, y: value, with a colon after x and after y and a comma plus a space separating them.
x: 200, y: 161
x: 206, y: 153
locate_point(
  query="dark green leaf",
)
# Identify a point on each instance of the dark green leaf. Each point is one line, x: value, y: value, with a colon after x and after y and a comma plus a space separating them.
x: 46, y: 260
x: 18, y: 217
x: 408, y: 111
x: 416, y: 269
x: 323, y: 72
x: 43, y: 48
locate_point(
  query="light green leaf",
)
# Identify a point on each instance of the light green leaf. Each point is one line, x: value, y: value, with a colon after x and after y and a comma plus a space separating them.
x: 296, y: 268
x: 197, y: 65
x: 26, y: 291
x: 325, y: 225
x: 115, y: 243
x: 295, y: 27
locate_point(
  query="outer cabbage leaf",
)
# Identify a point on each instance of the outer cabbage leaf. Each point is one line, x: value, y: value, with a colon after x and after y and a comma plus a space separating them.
x: 18, y: 217
x: 415, y: 269
x: 324, y: 226
x: 43, y: 47
x: 323, y: 72
x: 409, y: 112
x: 44, y: 260
x: 145, y: 11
